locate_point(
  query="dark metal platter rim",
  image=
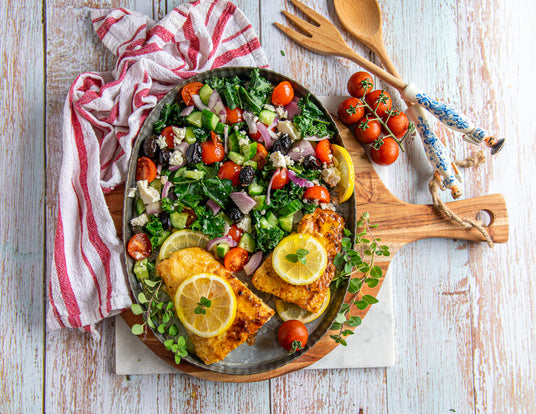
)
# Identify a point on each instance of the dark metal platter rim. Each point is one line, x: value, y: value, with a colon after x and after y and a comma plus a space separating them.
x: 350, y: 219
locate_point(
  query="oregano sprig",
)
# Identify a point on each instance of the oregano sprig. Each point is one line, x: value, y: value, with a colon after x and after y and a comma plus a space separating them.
x: 350, y: 260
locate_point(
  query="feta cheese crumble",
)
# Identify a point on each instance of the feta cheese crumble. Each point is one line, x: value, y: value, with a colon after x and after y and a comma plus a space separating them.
x: 331, y: 176
x: 278, y: 159
x: 148, y: 194
x: 132, y: 192
x: 287, y: 127
x: 140, y: 221
x: 176, y: 158
x: 161, y: 141
x: 178, y: 135
x: 245, y: 224
x: 281, y: 112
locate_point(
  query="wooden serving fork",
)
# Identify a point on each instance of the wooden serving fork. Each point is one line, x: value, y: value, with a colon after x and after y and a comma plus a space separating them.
x: 325, y: 39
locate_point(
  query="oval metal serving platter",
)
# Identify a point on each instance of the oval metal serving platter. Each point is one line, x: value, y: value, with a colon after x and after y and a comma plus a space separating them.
x: 265, y: 354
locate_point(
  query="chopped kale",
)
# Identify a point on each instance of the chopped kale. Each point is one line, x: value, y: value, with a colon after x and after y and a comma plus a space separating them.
x: 312, y: 120
x: 218, y: 190
x: 170, y: 115
x: 209, y: 224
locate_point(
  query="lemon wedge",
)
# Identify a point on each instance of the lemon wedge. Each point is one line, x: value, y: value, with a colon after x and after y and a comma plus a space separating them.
x: 289, y: 311
x: 345, y: 166
x: 179, y: 240
x: 300, y: 272
x: 205, y: 304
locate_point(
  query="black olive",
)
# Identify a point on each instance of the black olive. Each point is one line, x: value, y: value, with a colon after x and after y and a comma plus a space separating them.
x: 193, y: 153
x: 171, y: 195
x: 166, y: 221
x: 234, y: 213
x: 150, y: 148
x: 282, y: 145
x: 311, y: 163
x: 247, y: 175
x: 163, y: 158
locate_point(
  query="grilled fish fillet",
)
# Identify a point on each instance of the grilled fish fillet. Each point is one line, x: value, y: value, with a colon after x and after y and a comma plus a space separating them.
x: 328, y: 227
x: 251, y: 312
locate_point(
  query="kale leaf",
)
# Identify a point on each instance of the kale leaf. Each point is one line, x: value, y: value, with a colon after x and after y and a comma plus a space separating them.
x: 170, y: 115
x: 218, y: 190
x: 209, y: 224
x: 190, y: 193
x: 312, y: 121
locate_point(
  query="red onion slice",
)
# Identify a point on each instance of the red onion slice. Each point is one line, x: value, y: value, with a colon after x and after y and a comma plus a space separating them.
x: 292, y: 109
x: 174, y: 167
x: 300, y: 150
x: 270, y: 186
x: 223, y: 239
x: 315, y: 138
x: 249, y: 118
x: 198, y: 102
x: 302, y: 182
x: 253, y: 263
x: 226, y: 138
x: 182, y: 147
x: 267, y: 138
x: 166, y: 188
x: 187, y: 111
x: 274, y: 123
x: 243, y: 201
x: 214, y: 207
x: 154, y: 208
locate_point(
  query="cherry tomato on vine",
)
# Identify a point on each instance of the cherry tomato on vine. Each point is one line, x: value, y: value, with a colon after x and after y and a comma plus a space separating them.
x: 281, y: 179
x: 260, y: 156
x: 283, y: 94
x: 351, y: 110
x: 213, y: 150
x: 292, y: 335
x: 168, y: 134
x: 230, y: 170
x: 233, y: 115
x: 235, y: 233
x: 360, y: 83
x: 323, y: 151
x: 387, y: 154
x: 145, y: 169
x: 398, y: 123
x: 189, y: 90
x: 318, y: 193
x: 235, y: 259
x: 367, y: 130
x: 380, y: 101
x: 139, y: 246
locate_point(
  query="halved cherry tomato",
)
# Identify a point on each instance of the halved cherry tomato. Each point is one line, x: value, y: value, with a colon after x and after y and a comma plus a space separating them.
x: 292, y: 335
x: 281, y: 179
x: 231, y: 171
x: 387, y: 154
x: 213, y: 151
x: 139, y: 246
x: 318, y: 193
x: 256, y: 136
x: 367, y: 130
x: 380, y: 101
x: 168, y: 134
x: 235, y: 259
x: 235, y: 233
x: 145, y: 169
x: 283, y: 94
x: 233, y: 115
x: 323, y: 151
x: 260, y: 156
x: 360, y: 83
x: 351, y: 110
x: 189, y: 90
x: 398, y: 123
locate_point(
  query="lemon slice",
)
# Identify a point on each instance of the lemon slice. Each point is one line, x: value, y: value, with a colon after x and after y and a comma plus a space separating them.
x: 345, y: 166
x: 289, y: 311
x: 298, y: 273
x: 218, y: 316
x: 181, y: 240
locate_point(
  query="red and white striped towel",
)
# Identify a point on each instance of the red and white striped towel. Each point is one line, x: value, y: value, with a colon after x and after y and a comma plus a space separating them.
x: 102, y: 115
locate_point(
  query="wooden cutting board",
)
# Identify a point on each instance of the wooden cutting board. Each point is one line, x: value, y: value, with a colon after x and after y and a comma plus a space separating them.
x: 398, y: 222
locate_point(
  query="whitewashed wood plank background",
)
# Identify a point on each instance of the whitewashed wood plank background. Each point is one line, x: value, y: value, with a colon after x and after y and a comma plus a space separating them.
x: 465, y: 335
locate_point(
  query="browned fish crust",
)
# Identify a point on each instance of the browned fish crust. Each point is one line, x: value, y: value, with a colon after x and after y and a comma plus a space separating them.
x: 251, y: 312
x: 328, y: 227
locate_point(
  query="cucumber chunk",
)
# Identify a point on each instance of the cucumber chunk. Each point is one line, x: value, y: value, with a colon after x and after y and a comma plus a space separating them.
x: 222, y: 249
x: 267, y: 117
x: 209, y: 120
x: 256, y: 189
x: 251, y: 163
x: 249, y: 150
x: 290, y: 208
x: 140, y: 269
x: 195, y: 119
x: 233, y: 142
x: 178, y: 220
x: 286, y: 222
x: 204, y: 93
x: 189, y: 137
x: 140, y: 207
x: 194, y: 175
x: 272, y: 219
x: 261, y: 202
x: 247, y: 242
x: 236, y: 157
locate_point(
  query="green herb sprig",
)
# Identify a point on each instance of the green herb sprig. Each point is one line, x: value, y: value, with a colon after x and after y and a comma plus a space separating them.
x: 159, y: 314
x: 202, y: 306
x: 299, y: 256
x: 350, y: 260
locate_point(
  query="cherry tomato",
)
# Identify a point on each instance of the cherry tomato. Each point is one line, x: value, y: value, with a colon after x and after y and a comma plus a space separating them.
x: 360, y: 83
x: 189, y: 90
x: 283, y: 94
x: 292, y: 335
x: 398, y: 123
x: 281, y: 179
x: 380, y: 101
x: 231, y: 171
x: 213, y: 151
x: 351, y: 110
x: 323, y: 151
x: 256, y: 136
x: 318, y: 193
x: 235, y: 259
x: 235, y: 233
x: 168, y: 134
x: 387, y: 154
x: 139, y: 246
x: 367, y: 130
x: 145, y: 169
x: 260, y: 156
x: 233, y: 115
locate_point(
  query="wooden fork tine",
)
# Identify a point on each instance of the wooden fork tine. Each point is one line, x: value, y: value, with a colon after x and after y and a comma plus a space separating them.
x: 302, y: 24
x: 294, y: 35
x: 314, y: 16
